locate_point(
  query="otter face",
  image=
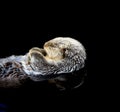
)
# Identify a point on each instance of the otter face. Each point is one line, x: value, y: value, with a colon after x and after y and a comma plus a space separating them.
x: 54, y: 50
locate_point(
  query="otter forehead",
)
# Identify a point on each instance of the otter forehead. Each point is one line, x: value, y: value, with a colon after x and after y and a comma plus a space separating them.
x: 63, y: 42
x: 67, y: 41
x: 57, y: 43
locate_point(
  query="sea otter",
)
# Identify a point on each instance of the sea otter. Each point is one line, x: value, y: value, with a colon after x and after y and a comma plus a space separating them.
x: 59, y: 58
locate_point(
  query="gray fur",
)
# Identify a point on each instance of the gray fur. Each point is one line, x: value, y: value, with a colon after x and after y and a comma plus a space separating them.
x: 38, y: 68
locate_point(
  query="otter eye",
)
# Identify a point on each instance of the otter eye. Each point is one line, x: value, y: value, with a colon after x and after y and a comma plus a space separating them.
x: 64, y: 49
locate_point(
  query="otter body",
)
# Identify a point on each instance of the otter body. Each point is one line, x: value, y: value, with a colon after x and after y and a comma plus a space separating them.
x: 61, y: 55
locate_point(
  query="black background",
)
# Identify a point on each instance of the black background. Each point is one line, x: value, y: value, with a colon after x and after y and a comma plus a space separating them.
x: 20, y: 33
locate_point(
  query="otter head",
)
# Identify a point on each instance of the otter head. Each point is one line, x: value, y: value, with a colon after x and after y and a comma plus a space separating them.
x: 66, y: 52
x: 60, y: 47
x: 55, y: 48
